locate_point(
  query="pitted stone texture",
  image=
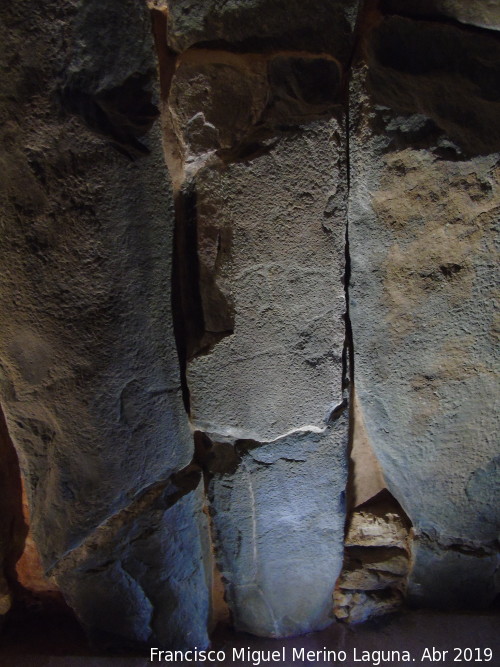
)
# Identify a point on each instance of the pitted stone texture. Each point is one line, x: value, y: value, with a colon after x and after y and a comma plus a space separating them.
x: 270, y: 233
x: 143, y: 577
x: 481, y: 13
x: 89, y: 375
x: 279, y: 522
x: 422, y: 234
x: 88, y: 367
x: 316, y: 26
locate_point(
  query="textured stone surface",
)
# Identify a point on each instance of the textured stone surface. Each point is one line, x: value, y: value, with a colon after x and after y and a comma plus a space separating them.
x: 279, y: 521
x: 481, y: 13
x: 155, y: 587
x: 263, y: 24
x: 255, y: 133
x: 422, y: 222
x: 89, y: 375
x: 447, y: 72
x: 277, y: 260
x: 204, y: 81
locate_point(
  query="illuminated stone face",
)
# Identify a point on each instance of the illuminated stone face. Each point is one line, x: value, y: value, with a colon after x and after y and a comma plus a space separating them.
x: 329, y: 211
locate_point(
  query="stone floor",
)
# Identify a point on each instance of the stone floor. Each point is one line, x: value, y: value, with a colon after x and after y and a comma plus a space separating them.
x: 58, y: 642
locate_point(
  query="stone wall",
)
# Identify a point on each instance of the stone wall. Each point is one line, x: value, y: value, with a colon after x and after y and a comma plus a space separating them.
x: 89, y: 373
x: 248, y: 309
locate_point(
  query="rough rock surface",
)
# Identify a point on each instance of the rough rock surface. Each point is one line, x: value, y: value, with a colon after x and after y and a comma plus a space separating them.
x: 155, y: 588
x: 278, y: 511
x: 374, y: 576
x: 267, y: 92
x: 481, y: 13
x: 422, y: 220
x: 277, y: 261
x: 89, y: 375
x: 323, y: 26
x: 442, y: 70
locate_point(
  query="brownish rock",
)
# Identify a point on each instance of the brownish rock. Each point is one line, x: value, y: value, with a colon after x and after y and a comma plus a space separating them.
x: 358, y: 607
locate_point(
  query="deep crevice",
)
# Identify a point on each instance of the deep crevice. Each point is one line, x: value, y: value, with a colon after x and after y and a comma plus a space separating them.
x: 186, y: 303
x: 348, y: 380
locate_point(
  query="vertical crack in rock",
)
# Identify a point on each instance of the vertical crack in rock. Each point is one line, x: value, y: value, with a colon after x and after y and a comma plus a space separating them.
x: 348, y: 376
x: 377, y: 555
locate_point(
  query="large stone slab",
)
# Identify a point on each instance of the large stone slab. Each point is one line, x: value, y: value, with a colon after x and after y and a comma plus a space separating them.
x: 278, y: 511
x: 268, y: 392
x: 89, y: 375
x: 319, y: 26
x: 259, y: 128
x: 270, y: 234
x: 422, y: 225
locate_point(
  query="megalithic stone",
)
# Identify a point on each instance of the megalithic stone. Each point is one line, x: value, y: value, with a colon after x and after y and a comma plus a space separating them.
x: 268, y: 388
x: 423, y: 217
x: 279, y: 512
x: 89, y: 374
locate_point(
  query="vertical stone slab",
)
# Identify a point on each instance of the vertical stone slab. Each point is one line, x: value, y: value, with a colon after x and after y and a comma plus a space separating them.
x: 279, y: 263
x: 261, y: 245
x: 279, y: 520
x: 423, y: 215
x: 89, y: 375
x: 272, y: 388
